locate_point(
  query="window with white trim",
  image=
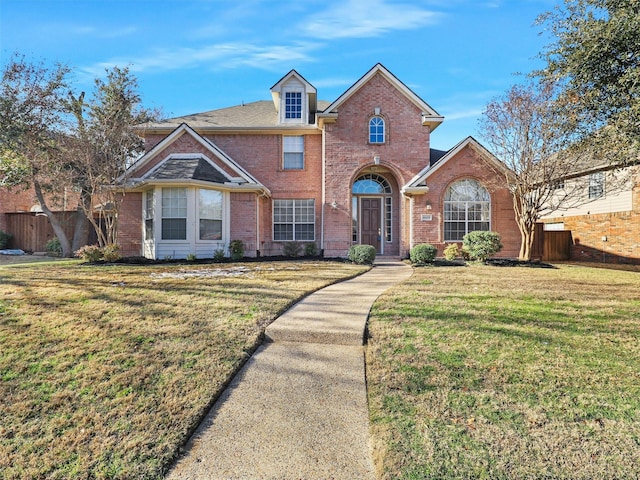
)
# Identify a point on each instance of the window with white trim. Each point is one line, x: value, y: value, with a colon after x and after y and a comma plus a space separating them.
x: 149, y: 207
x: 293, y: 148
x: 467, y: 208
x: 294, y: 220
x: 210, y: 214
x: 174, y: 213
x: 596, y: 185
x: 376, y: 130
x: 293, y: 105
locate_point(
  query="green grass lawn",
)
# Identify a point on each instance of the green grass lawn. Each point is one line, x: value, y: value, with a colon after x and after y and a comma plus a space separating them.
x: 106, y: 370
x: 486, y: 372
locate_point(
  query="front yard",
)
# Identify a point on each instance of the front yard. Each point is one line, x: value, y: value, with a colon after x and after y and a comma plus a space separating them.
x: 473, y: 372
x: 105, y: 371
x: 507, y: 373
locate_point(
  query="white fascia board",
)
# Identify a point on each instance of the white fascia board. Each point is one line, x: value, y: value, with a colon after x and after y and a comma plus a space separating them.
x: 138, y: 185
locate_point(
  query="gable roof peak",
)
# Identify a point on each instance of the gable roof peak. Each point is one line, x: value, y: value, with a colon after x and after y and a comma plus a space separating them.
x: 430, y: 117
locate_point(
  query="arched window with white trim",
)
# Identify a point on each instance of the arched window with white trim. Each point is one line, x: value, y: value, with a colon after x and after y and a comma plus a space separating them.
x: 467, y: 208
x: 376, y: 130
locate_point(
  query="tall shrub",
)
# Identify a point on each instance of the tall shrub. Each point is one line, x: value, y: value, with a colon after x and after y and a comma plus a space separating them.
x: 482, y: 245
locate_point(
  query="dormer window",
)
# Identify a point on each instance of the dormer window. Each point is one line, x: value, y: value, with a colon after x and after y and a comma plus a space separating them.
x: 294, y: 99
x: 376, y: 130
x: 293, y: 105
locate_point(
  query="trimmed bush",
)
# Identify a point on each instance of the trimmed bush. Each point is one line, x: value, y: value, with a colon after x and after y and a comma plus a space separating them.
x: 53, y: 247
x: 4, y: 239
x: 423, y: 253
x: 236, y: 249
x: 362, y: 254
x: 310, y: 250
x: 291, y: 249
x: 89, y: 253
x: 451, y: 252
x: 111, y: 252
x: 218, y: 254
x: 482, y: 245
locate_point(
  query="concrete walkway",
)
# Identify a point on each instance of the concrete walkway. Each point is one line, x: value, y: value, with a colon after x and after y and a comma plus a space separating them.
x: 298, y: 408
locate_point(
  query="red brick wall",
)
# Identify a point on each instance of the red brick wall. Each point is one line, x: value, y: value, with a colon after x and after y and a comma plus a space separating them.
x: 465, y: 165
x: 348, y: 152
x: 130, y: 225
x: 261, y: 156
x: 183, y: 144
x: 621, y: 229
x: 243, y: 207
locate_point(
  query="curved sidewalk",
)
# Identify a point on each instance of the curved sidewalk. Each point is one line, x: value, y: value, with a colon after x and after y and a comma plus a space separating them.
x: 298, y: 408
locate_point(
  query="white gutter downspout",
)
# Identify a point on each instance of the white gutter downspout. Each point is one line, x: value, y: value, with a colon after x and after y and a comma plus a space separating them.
x: 411, y: 207
x: 324, y: 193
x: 257, y: 223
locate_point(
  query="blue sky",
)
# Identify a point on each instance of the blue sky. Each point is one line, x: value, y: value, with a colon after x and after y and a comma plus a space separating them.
x: 196, y: 55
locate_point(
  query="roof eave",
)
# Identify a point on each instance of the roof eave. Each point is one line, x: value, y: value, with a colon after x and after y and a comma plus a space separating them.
x: 139, y: 185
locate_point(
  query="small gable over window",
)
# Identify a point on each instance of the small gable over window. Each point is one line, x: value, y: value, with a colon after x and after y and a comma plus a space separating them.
x: 294, y: 99
x: 376, y: 130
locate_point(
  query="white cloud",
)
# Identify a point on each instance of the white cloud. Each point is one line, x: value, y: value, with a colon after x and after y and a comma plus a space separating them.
x: 367, y: 18
x: 224, y: 55
x: 96, y: 32
x: 462, y: 114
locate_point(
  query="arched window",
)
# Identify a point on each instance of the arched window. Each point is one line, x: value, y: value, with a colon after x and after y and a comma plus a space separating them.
x: 467, y: 208
x: 376, y: 130
x: 372, y: 184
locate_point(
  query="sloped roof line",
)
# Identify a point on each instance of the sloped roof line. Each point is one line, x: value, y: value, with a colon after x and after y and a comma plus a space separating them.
x: 429, y: 112
x: 187, y: 167
x: 177, y: 132
x: 291, y: 73
x: 427, y: 171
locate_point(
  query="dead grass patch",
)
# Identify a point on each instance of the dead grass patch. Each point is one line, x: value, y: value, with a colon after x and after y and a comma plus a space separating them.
x: 105, y: 371
x: 502, y: 373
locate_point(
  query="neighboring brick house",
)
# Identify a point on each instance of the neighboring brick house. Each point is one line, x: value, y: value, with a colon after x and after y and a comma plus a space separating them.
x: 605, y: 227
x: 295, y: 169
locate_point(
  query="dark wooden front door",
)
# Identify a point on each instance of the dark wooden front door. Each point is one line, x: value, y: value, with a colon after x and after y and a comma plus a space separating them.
x: 370, y: 215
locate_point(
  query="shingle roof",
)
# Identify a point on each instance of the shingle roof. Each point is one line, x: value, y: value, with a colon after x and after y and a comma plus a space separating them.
x: 258, y: 114
x: 436, y: 155
x: 188, y: 169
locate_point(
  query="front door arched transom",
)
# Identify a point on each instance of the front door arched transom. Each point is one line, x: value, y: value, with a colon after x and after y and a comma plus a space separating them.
x: 371, y: 211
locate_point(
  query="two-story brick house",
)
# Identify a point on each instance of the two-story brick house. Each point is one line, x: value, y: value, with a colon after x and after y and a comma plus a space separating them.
x: 296, y: 169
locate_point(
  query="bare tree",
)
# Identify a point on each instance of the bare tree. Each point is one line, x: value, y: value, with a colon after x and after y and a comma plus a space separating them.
x: 547, y: 165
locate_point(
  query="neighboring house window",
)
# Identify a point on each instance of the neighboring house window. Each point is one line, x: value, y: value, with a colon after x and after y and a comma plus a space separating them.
x: 174, y: 213
x: 148, y: 215
x: 210, y: 214
x: 293, y: 105
x: 293, y: 147
x: 596, y: 185
x: 376, y: 130
x: 294, y: 220
x: 467, y: 208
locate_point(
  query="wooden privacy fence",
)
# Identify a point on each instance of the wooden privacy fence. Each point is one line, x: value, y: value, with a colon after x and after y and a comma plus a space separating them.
x: 31, y: 232
x: 551, y: 245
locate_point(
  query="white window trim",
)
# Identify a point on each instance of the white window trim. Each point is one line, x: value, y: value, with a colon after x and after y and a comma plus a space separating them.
x: 273, y: 219
x: 285, y: 151
x: 283, y: 106
x: 384, y: 130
